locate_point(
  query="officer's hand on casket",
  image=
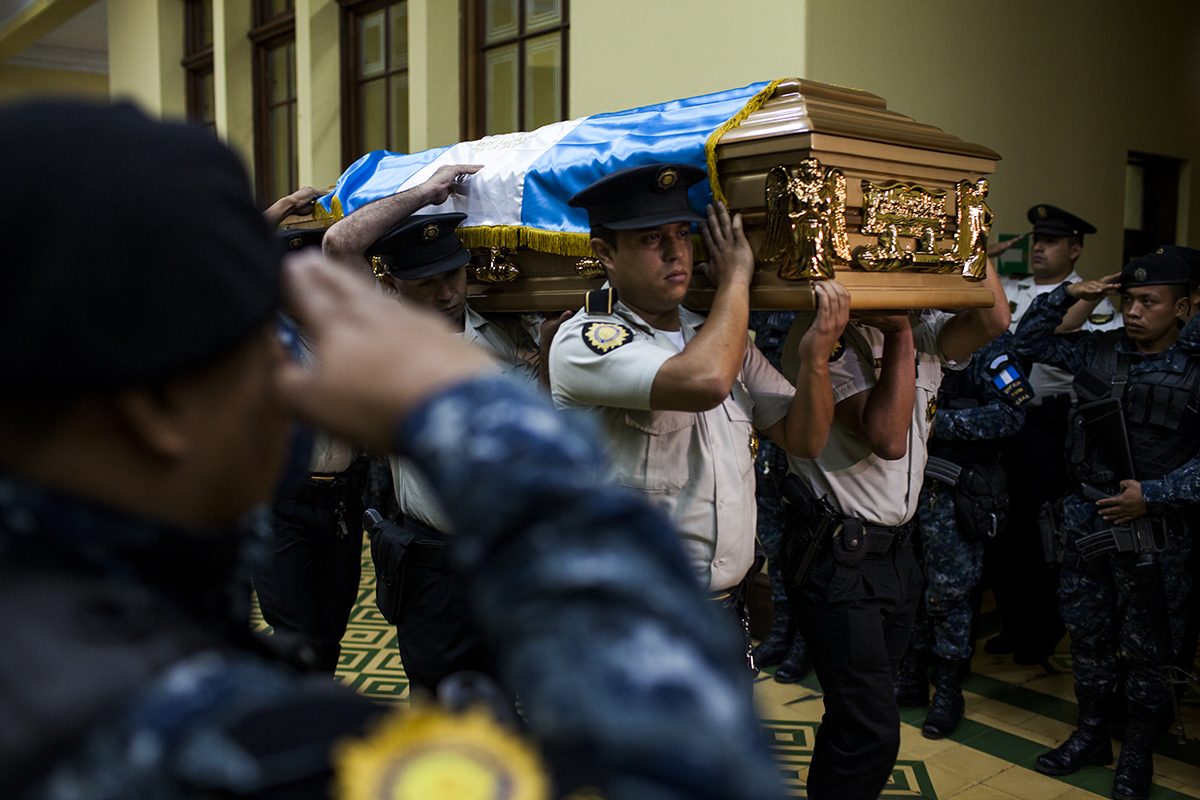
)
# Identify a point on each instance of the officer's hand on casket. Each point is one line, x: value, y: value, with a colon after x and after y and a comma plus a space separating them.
x: 374, y: 359
x: 730, y: 257
x: 447, y: 180
x: 833, y: 312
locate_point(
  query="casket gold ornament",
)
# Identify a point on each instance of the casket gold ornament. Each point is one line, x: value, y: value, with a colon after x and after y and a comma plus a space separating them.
x: 589, y: 268
x: 806, y: 221
x: 974, y: 222
x: 498, y: 267
x: 901, y: 209
x: 433, y: 755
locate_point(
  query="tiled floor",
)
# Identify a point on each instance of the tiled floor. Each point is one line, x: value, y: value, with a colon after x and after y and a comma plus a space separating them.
x: 1013, y: 714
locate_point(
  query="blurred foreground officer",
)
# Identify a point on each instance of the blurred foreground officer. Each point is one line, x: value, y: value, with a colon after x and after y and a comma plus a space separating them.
x: 138, y: 427
x: 1123, y: 539
x: 1024, y: 585
x: 422, y: 262
x: 964, y: 502
x: 855, y: 503
x: 680, y: 396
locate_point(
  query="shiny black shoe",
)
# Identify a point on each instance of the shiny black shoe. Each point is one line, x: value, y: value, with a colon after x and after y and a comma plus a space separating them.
x: 947, y: 707
x: 1088, y: 745
x: 912, y: 679
x: 796, y: 666
x: 774, y: 647
x: 1135, y: 766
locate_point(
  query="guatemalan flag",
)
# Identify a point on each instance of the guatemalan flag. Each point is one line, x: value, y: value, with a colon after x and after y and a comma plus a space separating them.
x: 520, y: 196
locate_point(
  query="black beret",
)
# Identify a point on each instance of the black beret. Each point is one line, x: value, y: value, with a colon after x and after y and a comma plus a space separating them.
x: 296, y: 238
x: 132, y: 250
x: 1054, y: 221
x: 1189, y: 255
x: 420, y: 246
x: 1155, y: 269
x: 640, y: 197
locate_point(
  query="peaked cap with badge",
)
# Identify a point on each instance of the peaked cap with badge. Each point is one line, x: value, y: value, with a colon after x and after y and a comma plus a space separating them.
x: 640, y: 197
x: 420, y: 246
x: 1189, y: 255
x: 1156, y: 269
x: 1054, y: 221
x: 299, y: 238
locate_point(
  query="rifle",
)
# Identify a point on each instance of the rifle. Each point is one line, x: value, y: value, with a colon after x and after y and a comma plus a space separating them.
x: 1105, y: 420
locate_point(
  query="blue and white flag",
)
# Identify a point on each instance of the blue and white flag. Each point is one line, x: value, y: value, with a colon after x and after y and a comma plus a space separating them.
x: 520, y: 196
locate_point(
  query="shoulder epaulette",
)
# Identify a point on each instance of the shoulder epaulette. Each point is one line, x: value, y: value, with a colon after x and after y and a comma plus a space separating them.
x: 600, y: 301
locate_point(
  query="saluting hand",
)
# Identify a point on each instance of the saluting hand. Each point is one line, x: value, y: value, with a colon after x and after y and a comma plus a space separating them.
x: 1125, y: 507
x: 1094, y: 291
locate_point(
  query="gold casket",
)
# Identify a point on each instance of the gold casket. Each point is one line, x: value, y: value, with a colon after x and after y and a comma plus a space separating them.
x: 830, y: 183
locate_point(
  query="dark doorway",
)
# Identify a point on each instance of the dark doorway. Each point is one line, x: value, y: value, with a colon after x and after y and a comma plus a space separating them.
x: 1151, y: 202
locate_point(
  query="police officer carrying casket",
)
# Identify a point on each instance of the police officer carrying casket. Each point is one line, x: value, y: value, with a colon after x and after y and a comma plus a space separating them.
x: 964, y: 502
x: 1123, y: 541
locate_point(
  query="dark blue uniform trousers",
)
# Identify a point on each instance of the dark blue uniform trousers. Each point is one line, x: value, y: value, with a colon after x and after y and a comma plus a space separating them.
x: 856, y: 621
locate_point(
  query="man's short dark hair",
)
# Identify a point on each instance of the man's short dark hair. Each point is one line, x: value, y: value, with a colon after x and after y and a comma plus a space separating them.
x: 606, y: 235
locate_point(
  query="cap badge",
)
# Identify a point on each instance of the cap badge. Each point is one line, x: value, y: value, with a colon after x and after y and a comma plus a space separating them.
x: 1139, y: 274
x: 1042, y: 212
x: 430, y: 231
x: 295, y: 242
x: 1159, y: 251
x: 603, y: 337
x: 667, y: 177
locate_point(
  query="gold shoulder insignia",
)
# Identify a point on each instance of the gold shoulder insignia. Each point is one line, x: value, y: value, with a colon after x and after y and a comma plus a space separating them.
x: 838, y: 349
x: 1012, y: 306
x: 603, y: 337
x: 432, y: 755
x: 1100, y: 319
x: 931, y: 409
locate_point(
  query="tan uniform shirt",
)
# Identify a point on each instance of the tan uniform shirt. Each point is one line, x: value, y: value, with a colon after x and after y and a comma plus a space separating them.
x: 857, y: 481
x: 1048, y: 381
x: 512, y: 341
x: 697, y: 466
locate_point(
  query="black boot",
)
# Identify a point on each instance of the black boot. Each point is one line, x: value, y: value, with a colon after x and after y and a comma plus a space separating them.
x: 773, y: 649
x: 1088, y: 745
x: 796, y: 666
x: 912, y: 679
x: 946, y: 708
x: 1135, y: 765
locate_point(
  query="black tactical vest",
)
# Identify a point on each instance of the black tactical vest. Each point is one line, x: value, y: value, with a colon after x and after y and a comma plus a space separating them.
x: 1162, y: 425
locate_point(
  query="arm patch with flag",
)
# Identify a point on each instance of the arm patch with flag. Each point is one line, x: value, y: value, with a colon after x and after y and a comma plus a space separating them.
x: 1008, y: 380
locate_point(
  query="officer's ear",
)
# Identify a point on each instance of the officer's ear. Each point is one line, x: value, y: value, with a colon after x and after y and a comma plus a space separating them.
x: 156, y: 417
x: 1076, y: 248
x: 603, y: 251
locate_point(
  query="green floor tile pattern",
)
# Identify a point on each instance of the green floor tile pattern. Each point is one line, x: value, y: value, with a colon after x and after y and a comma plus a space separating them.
x: 370, y: 664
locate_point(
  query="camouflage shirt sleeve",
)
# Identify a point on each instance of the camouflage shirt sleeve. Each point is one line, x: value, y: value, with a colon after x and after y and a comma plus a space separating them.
x: 1175, y: 491
x: 994, y: 420
x: 580, y: 585
x: 1036, y: 340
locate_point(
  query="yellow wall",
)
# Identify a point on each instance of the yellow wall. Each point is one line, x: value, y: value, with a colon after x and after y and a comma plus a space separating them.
x: 1061, y: 90
x: 145, y: 45
x: 434, y: 31
x: 629, y: 53
x: 22, y: 83
x: 318, y: 95
x: 232, y: 77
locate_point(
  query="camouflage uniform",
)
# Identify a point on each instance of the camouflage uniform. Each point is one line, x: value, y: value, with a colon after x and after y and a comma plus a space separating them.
x: 770, y: 330
x: 989, y: 404
x: 1099, y: 608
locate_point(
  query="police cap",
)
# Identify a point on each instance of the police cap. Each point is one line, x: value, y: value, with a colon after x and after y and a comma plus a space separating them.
x: 1054, y: 221
x: 299, y: 238
x: 1190, y: 256
x: 421, y: 245
x: 131, y: 250
x: 1155, y: 269
x: 640, y: 197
